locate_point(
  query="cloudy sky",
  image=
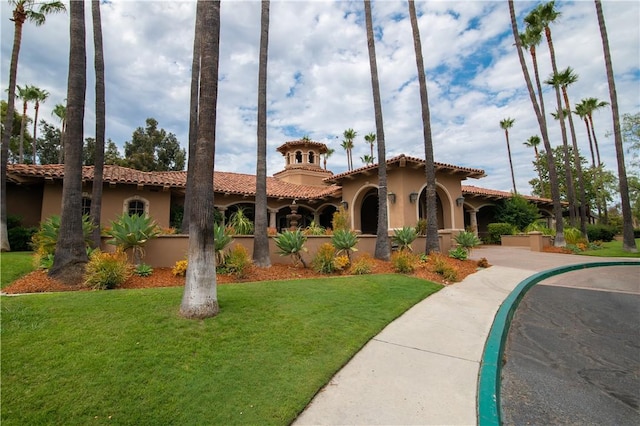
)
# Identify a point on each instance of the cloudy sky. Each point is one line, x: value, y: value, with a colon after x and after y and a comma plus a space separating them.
x: 319, y: 78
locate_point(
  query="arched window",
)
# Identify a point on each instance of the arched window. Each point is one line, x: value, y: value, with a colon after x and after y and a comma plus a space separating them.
x: 136, y: 205
x: 312, y: 157
x: 298, y: 157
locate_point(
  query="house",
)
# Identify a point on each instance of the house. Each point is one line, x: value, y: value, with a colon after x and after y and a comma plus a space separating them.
x: 35, y: 193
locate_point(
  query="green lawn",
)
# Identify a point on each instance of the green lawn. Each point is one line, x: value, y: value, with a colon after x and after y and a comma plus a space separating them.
x: 126, y: 357
x: 612, y: 249
x: 13, y: 265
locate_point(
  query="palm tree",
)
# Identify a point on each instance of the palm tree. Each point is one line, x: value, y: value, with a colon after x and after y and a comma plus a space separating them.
x: 559, y: 240
x: 581, y: 112
x: 566, y: 78
x: 534, y: 142
x: 432, y: 243
x: 60, y: 111
x: 367, y: 159
x: 200, y: 297
x: 383, y: 248
x: 26, y: 94
x: 591, y: 105
x: 39, y: 96
x: 23, y: 10
x: 70, y: 255
x: 530, y: 39
x: 371, y: 140
x: 628, y: 241
x: 505, y: 125
x: 347, y: 144
x: 326, y: 155
x: 98, y: 168
x: 261, y: 257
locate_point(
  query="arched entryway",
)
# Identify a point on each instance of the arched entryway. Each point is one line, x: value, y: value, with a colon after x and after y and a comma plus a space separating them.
x: 325, y: 216
x: 422, y: 208
x: 369, y: 212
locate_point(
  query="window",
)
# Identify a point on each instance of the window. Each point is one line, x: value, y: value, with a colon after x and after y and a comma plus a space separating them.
x: 298, y: 157
x: 136, y: 205
x: 311, y: 157
x: 86, y: 205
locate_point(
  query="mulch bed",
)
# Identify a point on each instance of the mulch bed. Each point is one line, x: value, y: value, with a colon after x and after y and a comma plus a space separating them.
x: 39, y: 282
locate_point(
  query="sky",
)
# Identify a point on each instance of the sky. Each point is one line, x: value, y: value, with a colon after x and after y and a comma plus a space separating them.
x: 319, y: 77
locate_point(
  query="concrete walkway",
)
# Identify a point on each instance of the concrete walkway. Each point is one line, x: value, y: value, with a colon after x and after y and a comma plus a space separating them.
x: 423, y: 367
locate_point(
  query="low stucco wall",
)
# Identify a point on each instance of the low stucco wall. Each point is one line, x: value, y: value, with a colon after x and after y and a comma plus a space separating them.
x: 166, y: 250
x: 534, y: 240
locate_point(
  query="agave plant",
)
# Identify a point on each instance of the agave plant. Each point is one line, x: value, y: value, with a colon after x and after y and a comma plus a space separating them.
x: 344, y: 241
x: 240, y: 223
x: 404, y: 237
x: 467, y: 241
x: 221, y: 239
x: 44, y: 241
x: 132, y: 232
x: 291, y: 243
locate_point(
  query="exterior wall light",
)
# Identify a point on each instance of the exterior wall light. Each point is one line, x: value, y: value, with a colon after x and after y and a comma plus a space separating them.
x: 392, y: 197
x: 344, y: 205
x: 413, y: 197
x: 459, y: 201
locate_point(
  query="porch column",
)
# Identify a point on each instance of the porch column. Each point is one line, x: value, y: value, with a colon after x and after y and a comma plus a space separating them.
x: 272, y: 217
x: 224, y: 219
x: 316, y: 217
x: 474, y: 221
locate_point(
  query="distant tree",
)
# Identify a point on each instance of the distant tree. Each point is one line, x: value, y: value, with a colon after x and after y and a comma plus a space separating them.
x: 534, y: 142
x: 112, y: 154
x: 15, y: 138
x: 367, y: 159
x: 326, y: 155
x: 39, y: 96
x: 48, y: 143
x: 347, y: 144
x: 505, y: 125
x: 630, y: 131
x: 153, y: 149
x: 26, y: 94
x: 517, y: 211
x: 60, y: 111
x: 371, y: 140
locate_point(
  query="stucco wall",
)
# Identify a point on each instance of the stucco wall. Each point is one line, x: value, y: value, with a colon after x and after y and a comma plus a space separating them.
x: 26, y: 202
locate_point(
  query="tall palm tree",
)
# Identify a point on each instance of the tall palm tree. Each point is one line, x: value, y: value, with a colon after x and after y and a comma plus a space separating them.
x: 193, y: 118
x: 559, y: 240
x: 60, y: 111
x: 580, y: 111
x: 26, y: 94
x: 534, y: 142
x: 70, y: 255
x: 530, y: 39
x: 628, y: 241
x: 592, y: 105
x: 566, y: 78
x: 345, y: 146
x: 383, y: 248
x: 326, y: 155
x: 261, y: 257
x: 24, y: 10
x: 200, y: 297
x: 98, y: 168
x: 432, y: 241
x: 371, y: 140
x: 349, y: 136
x: 39, y: 97
x: 367, y: 159
x: 505, y: 125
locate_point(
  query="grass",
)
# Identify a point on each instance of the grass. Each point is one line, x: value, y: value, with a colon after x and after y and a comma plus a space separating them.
x: 612, y: 249
x: 13, y: 265
x: 126, y: 357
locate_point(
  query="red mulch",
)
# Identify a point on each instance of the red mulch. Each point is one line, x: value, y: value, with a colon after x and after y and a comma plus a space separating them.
x: 38, y: 281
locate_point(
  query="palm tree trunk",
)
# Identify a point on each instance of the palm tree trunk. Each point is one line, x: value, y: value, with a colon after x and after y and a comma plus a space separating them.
x: 261, y: 257
x: 432, y: 241
x: 200, y: 297
x: 23, y: 124
x: 383, y: 248
x: 628, y: 242
x: 513, y: 177
x: 98, y: 168
x: 593, y: 158
x: 559, y: 240
x: 595, y: 140
x: 35, y: 128
x: 70, y: 256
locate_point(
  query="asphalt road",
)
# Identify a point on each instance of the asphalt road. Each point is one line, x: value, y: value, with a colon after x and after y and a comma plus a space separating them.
x: 573, y: 351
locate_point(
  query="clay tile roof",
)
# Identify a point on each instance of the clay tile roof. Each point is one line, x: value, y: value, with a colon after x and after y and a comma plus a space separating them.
x: 224, y: 182
x: 493, y: 193
x: 322, y: 148
x: 402, y: 160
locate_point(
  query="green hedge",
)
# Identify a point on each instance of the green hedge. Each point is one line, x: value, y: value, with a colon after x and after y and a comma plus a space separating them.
x: 496, y: 230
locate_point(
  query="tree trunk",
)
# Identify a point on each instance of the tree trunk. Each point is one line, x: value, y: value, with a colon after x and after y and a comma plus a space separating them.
x: 628, y: 242
x: 513, y: 177
x: 200, y: 298
x: 71, y: 256
x: 23, y: 124
x: 432, y: 241
x: 98, y: 168
x: 261, y: 255
x: 559, y: 240
x: 35, y: 128
x: 383, y: 248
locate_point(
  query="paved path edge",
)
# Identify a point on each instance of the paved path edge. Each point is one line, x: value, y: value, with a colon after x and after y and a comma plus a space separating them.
x: 488, y: 392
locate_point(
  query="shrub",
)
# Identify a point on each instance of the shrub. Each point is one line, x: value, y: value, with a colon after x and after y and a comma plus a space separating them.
x: 421, y: 227
x: 362, y: 266
x: 143, y: 270
x: 238, y: 261
x: 600, y: 233
x: 404, y: 262
x: 44, y: 241
x: 540, y: 226
x: 221, y: 239
x: 459, y: 253
x: 344, y: 241
x: 442, y: 267
x: 323, y: 260
x: 341, y: 262
x: 20, y: 238
x: 483, y: 263
x: 291, y: 243
x: 496, y: 230
x: 180, y: 268
x: 132, y: 232
x: 240, y: 223
x: 314, y: 229
x: 467, y: 241
x: 43, y: 260
x: 517, y: 211
x: 573, y: 236
x: 340, y: 219
x: 107, y: 270
x: 404, y: 237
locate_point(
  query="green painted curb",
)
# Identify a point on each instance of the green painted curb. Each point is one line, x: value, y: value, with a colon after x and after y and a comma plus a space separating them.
x: 488, y: 392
